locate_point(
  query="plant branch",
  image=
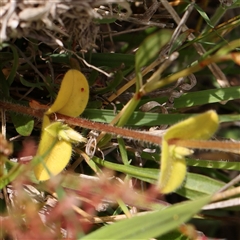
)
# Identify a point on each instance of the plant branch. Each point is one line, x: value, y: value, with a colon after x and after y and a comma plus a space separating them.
x: 127, y: 133
x: 84, y: 123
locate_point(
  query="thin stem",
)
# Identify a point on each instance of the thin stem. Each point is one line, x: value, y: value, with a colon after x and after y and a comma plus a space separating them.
x: 226, y: 194
x: 127, y: 133
x: 149, y: 86
x: 216, y: 71
x: 84, y: 123
x: 233, y: 147
x: 220, y: 11
x: 230, y: 184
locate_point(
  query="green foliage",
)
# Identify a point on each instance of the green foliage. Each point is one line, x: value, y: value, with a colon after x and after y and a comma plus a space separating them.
x: 132, y: 77
x: 152, y: 224
x: 149, y: 50
x: 23, y: 124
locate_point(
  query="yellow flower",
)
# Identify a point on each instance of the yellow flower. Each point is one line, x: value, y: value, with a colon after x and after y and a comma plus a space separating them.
x: 56, y: 139
x: 173, y: 165
x: 72, y: 96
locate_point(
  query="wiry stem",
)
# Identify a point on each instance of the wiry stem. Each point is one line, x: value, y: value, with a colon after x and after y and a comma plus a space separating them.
x: 84, y: 123
x: 127, y: 133
x: 233, y: 147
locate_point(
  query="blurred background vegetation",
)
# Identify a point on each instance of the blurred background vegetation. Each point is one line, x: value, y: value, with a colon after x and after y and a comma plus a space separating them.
x: 41, y: 40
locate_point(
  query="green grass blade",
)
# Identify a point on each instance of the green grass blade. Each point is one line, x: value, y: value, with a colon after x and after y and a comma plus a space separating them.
x: 194, y: 186
x: 150, y: 225
x: 146, y: 118
x: 201, y: 97
x: 148, y: 50
x: 204, y: 15
x: 222, y: 164
x: 197, y: 185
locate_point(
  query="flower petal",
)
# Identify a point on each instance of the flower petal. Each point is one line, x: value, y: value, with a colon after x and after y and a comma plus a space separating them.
x: 55, y: 158
x: 199, y: 127
x: 173, y: 169
x: 173, y: 166
x: 72, y: 96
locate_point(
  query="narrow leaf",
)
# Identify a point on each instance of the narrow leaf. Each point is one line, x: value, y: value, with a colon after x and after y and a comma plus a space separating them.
x: 30, y: 84
x: 151, y: 225
x: 197, y: 185
x: 150, y: 47
x: 148, y: 50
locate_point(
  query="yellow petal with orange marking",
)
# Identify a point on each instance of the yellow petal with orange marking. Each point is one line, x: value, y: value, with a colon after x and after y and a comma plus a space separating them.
x: 73, y: 95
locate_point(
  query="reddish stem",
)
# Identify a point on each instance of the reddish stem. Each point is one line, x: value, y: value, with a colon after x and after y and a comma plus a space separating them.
x: 84, y: 123
x: 141, y: 136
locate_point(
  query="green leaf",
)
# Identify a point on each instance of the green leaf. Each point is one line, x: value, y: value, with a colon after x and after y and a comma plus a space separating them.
x: 4, y: 87
x: 112, y: 85
x: 198, y: 185
x: 195, y: 185
x: 150, y: 225
x: 110, y: 59
x: 204, y: 15
x: 98, y: 59
x: 179, y: 41
x: 149, y: 174
x: 30, y: 84
x: 150, y: 47
x: 147, y: 118
x: 148, y: 50
x: 123, y: 151
x: 14, y: 63
x: 213, y: 164
x: 5, y: 56
x: 201, y: 97
x: 23, y: 124
x: 12, y: 171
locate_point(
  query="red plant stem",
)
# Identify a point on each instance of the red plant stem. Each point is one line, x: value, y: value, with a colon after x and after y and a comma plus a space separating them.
x: 141, y: 136
x: 38, y: 113
x: 112, y: 129
x: 84, y: 123
x: 233, y: 147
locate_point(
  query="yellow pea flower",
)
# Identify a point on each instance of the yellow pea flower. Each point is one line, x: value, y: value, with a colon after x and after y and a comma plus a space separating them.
x: 56, y: 138
x: 64, y: 132
x: 56, y: 154
x: 173, y: 165
x: 72, y: 96
x: 55, y: 145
